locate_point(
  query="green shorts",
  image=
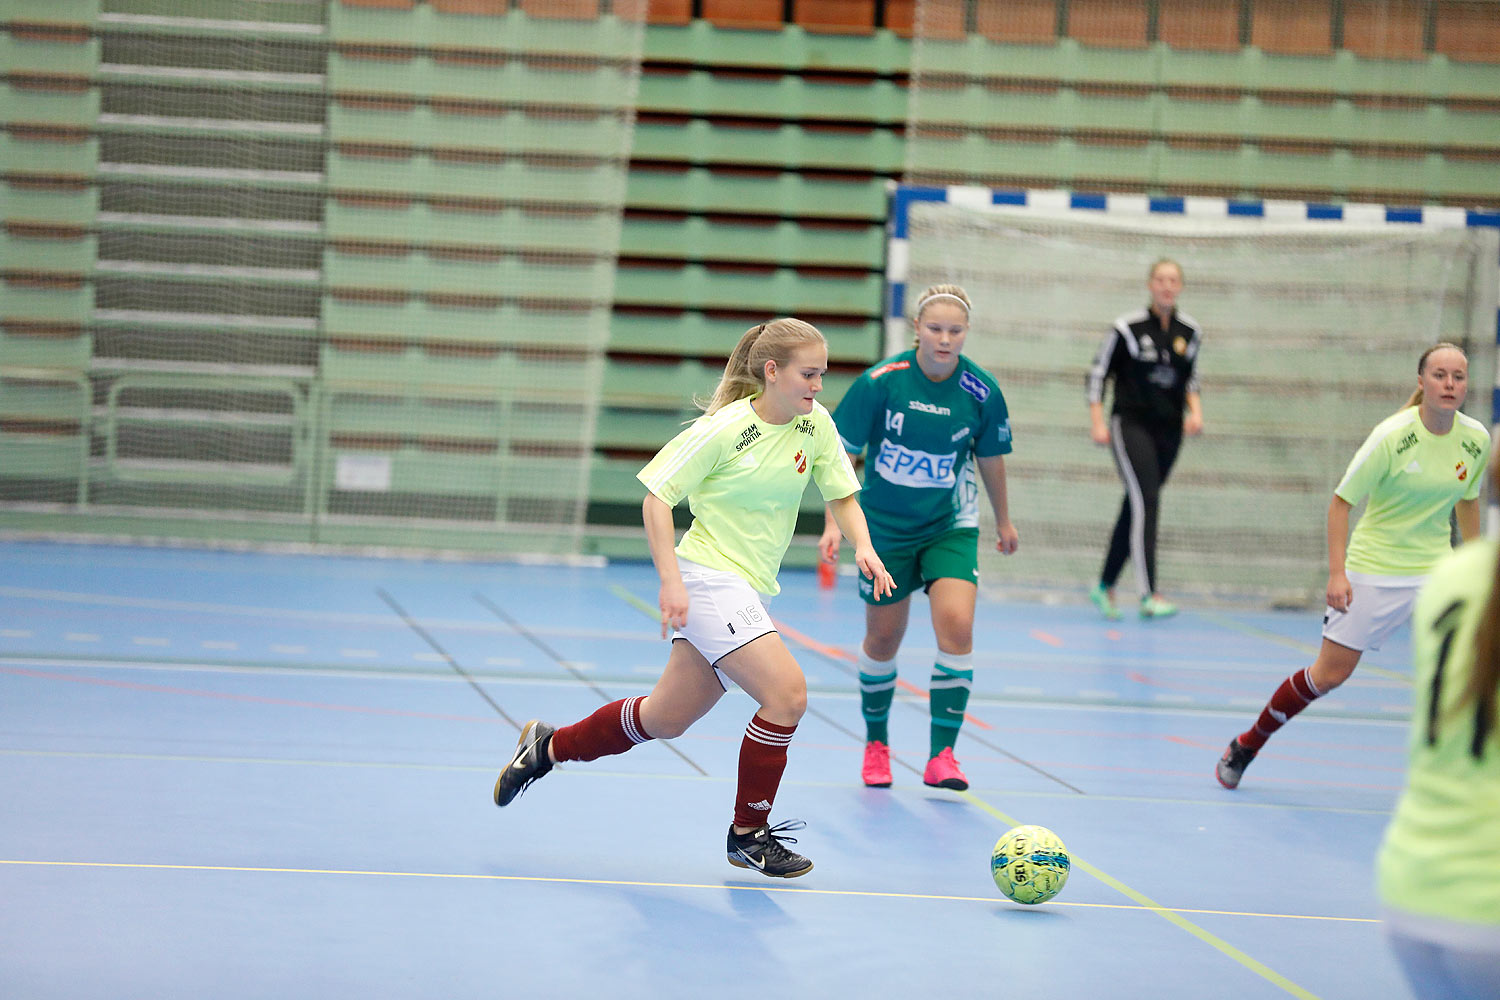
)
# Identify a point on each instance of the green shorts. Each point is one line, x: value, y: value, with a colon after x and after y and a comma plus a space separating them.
x: 954, y: 553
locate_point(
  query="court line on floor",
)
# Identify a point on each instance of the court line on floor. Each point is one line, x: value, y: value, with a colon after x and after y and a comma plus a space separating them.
x: 615, y: 775
x: 840, y: 658
x: 447, y: 657
x: 1170, y: 915
x: 717, y: 887
x: 238, y: 696
x: 525, y: 633
x: 1244, y: 628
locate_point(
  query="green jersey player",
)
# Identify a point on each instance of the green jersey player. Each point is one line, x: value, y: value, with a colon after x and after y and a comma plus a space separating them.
x: 1416, y: 468
x: 931, y: 424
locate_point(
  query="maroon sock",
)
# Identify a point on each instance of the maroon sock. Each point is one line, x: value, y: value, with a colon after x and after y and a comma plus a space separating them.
x: 762, y: 759
x: 1294, y: 694
x: 613, y: 729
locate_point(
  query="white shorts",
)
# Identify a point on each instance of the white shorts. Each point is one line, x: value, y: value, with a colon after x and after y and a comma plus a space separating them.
x: 724, y: 613
x: 1373, y: 615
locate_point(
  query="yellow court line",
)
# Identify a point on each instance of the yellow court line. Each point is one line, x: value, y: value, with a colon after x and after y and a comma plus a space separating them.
x: 1297, y: 644
x: 1171, y: 915
x: 635, y: 602
x: 253, y: 869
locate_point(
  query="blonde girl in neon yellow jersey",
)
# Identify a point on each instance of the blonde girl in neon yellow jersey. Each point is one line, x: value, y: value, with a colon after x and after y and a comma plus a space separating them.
x: 743, y: 467
x: 1417, y: 467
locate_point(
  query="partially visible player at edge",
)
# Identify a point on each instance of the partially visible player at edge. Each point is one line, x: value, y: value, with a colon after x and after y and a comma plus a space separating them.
x: 928, y: 419
x: 1439, y: 866
x: 1417, y: 467
x: 743, y: 467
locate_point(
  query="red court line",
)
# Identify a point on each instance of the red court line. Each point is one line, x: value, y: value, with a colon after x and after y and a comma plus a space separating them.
x: 1046, y: 637
x: 251, y: 698
x: 840, y: 654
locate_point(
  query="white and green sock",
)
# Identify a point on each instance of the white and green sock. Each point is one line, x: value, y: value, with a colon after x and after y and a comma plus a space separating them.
x: 952, y: 679
x: 877, y: 689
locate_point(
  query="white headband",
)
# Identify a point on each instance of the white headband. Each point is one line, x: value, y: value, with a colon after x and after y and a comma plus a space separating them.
x: 922, y: 303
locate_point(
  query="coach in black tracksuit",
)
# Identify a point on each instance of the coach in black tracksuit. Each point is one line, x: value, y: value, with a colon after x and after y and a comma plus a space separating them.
x: 1151, y: 355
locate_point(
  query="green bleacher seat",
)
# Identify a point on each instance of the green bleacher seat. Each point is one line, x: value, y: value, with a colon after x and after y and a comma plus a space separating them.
x: 46, y: 302
x: 279, y: 11
x: 40, y: 52
x: 512, y: 178
x: 789, y: 96
x: 488, y: 274
x: 417, y: 321
x: 423, y: 26
x: 783, y: 291
x: 783, y: 242
x: 476, y: 224
x: 700, y: 141
x: 27, y: 249
x: 697, y: 335
x: 773, y: 192
x: 791, y: 48
x: 37, y: 155
x: 53, y: 204
x: 68, y: 349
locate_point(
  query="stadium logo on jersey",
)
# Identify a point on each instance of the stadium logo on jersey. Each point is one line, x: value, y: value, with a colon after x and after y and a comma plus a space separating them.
x: 971, y: 383
x: 800, y: 461
x: 1462, y: 471
x: 748, y: 436
x: 919, y: 469
x: 917, y: 404
x: 894, y: 366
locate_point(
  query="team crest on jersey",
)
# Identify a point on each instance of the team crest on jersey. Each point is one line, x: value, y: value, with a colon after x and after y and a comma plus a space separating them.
x: 971, y: 384
x: 800, y: 461
x: 1180, y: 345
x: 894, y: 366
x: 1462, y: 471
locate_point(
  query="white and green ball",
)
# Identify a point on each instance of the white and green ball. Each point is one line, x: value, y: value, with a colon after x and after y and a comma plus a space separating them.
x: 1030, y: 864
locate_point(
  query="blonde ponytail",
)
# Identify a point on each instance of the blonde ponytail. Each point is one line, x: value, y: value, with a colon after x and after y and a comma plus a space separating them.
x: 745, y: 371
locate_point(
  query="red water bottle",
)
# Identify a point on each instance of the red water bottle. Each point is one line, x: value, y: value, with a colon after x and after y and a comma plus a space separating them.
x: 827, y: 574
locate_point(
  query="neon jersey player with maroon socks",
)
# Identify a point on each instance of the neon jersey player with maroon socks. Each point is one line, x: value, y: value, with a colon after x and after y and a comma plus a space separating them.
x: 743, y: 466
x: 1415, y: 468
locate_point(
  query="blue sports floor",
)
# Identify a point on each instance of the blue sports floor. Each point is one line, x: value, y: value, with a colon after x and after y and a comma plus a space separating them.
x: 237, y: 775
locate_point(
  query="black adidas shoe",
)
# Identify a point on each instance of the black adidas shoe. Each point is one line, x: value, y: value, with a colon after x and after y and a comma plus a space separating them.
x: 529, y: 763
x: 1232, y: 765
x: 761, y: 850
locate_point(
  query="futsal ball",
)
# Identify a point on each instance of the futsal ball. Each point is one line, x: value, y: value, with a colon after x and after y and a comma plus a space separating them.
x: 1030, y: 864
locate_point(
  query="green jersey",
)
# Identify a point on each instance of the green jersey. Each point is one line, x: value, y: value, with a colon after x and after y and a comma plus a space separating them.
x: 1413, y: 478
x: 920, y: 439
x: 1441, y: 854
x: 743, y: 479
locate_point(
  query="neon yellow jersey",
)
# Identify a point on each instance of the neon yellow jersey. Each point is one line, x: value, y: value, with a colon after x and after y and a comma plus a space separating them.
x: 1441, y: 854
x: 1412, y: 478
x: 743, y: 479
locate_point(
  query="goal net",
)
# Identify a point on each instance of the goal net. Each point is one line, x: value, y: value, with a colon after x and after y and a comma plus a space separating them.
x: 1312, y: 329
